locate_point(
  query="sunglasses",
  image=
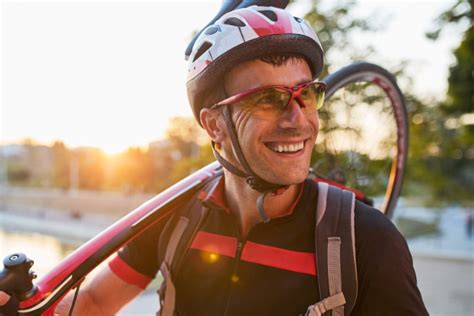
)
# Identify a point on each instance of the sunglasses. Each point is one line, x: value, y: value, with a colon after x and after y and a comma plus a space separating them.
x: 272, y: 101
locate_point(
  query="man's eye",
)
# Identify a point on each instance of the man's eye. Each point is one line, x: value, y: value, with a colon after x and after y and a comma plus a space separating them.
x: 266, y: 99
x: 273, y: 99
x: 308, y: 93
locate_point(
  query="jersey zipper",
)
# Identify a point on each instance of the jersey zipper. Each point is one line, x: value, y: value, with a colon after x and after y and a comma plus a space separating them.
x: 234, y: 278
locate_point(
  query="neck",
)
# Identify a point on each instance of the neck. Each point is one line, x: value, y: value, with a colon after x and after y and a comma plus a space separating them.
x: 242, y: 201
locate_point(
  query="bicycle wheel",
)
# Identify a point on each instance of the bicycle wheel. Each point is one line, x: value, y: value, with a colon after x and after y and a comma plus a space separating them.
x: 363, y: 138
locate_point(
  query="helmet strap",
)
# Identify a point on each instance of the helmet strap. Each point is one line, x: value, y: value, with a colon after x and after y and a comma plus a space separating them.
x: 252, y: 179
x: 261, y: 210
x: 227, y: 165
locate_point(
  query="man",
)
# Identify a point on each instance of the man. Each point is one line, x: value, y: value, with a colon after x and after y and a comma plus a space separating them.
x: 254, y: 252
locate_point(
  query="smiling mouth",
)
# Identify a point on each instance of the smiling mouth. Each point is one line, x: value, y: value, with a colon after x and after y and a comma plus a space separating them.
x: 286, y: 147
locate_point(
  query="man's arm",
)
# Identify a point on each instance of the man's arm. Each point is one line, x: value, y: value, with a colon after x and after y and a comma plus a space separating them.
x: 121, y: 280
x: 387, y: 279
x: 105, y: 294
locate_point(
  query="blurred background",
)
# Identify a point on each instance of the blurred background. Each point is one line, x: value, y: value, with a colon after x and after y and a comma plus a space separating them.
x: 95, y: 120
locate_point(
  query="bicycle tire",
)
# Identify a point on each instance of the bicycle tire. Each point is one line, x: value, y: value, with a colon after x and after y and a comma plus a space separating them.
x: 355, y: 88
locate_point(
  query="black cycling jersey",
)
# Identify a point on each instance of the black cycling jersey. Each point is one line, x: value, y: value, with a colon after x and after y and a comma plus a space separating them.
x: 273, y: 271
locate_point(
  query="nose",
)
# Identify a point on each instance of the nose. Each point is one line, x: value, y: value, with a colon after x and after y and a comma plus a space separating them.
x: 293, y: 116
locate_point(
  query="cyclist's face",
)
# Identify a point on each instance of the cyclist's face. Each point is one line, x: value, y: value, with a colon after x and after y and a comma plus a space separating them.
x: 277, y: 149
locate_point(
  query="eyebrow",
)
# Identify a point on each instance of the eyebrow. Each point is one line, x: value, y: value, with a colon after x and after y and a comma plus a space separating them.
x: 302, y: 81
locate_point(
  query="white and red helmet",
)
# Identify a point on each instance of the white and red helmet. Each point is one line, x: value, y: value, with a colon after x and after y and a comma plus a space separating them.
x: 246, y: 34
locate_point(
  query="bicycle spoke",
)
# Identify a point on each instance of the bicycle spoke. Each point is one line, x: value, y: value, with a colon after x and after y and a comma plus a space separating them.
x: 359, y: 143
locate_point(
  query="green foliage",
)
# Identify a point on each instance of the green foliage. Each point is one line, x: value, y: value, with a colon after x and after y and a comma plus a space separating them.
x: 188, y: 165
x: 461, y: 11
x: 184, y: 134
x: 451, y: 163
x: 461, y: 78
x: 440, y: 155
x: 335, y: 27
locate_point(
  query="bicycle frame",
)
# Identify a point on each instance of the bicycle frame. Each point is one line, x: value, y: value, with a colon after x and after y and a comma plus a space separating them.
x: 70, y: 273
x: 73, y: 269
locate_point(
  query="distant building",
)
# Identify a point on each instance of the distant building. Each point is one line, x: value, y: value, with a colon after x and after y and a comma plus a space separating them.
x: 27, y: 164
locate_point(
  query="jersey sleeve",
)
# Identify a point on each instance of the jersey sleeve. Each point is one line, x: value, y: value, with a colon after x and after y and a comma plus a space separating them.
x: 387, y: 279
x: 137, y: 262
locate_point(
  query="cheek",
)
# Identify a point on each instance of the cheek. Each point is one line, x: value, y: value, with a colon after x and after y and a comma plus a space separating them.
x: 244, y: 124
x: 314, y: 122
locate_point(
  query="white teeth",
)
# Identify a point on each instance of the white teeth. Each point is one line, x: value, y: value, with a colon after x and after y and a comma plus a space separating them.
x: 287, y: 148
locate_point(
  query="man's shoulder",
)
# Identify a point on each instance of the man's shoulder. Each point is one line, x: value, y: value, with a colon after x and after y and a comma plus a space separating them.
x: 378, y: 241
x: 370, y: 223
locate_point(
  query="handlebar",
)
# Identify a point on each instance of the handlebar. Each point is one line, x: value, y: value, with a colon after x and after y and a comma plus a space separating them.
x: 16, y: 277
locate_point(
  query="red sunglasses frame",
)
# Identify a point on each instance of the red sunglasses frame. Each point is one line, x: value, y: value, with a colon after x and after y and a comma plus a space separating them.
x: 295, y: 93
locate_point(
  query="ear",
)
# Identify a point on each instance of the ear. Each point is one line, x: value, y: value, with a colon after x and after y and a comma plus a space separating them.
x: 211, y: 121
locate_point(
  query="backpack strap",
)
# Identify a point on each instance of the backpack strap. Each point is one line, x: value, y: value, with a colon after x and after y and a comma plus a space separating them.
x: 335, y: 252
x: 174, y: 242
x: 167, y: 290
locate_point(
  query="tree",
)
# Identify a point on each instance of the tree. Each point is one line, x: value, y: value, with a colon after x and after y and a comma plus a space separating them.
x: 90, y: 165
x: 457, y: 132
x: 185, y: 137
x: 335, y: 26
x: 62, y: 156
x: 461, y: 77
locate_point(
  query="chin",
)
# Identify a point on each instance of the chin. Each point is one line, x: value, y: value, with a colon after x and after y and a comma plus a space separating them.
x: 289, y: 177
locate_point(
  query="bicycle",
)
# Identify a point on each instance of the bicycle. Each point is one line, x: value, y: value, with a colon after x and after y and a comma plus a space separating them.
x: 372, y: 171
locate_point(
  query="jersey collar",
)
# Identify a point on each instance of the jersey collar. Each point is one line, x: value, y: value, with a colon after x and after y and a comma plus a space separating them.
x: 213, y: 196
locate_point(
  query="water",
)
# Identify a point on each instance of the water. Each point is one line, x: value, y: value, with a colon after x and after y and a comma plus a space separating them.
x: 45, y: 251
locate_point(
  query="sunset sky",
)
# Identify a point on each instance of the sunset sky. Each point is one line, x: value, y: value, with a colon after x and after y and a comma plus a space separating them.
x: 110, y: 74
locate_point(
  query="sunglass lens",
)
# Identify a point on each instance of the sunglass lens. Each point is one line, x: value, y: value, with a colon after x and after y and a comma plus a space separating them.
x: 313, y: 96
x: 271, y: 98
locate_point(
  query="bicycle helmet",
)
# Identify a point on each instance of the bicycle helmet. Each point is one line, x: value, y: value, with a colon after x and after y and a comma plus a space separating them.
x: 242, y: 35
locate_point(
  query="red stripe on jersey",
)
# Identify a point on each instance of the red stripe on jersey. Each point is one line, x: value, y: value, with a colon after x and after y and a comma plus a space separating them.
x: 223, y: 245
x: 263, y: 27
x: 128, y: 274
x: 296, y: 261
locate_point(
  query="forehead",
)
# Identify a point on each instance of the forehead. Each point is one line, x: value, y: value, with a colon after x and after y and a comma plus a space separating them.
x: 257, y: 73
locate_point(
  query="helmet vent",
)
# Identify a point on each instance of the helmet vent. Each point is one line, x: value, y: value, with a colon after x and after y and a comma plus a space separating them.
x: 234, y: 22
x: 297, y: 19
x: 211, y: 30
x: 269, y: 14
x: 204, y: 48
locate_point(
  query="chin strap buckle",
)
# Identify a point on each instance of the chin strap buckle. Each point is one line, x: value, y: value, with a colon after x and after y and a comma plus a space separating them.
x: 254, y: 183
x: 262, y: 186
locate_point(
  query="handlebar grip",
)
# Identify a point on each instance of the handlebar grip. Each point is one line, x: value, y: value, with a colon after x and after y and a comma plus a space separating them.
x: 229, y: 5
x: 16, y: 277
